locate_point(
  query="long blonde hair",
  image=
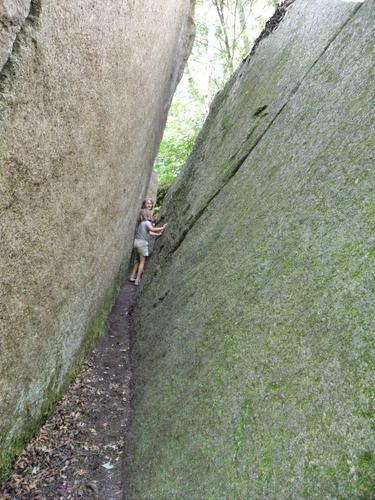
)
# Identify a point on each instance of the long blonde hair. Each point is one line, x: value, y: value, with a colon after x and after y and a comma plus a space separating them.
x: 145, y: 214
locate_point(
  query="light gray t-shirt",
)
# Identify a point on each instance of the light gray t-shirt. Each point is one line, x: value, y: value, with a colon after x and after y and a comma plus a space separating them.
x: 143, y: 231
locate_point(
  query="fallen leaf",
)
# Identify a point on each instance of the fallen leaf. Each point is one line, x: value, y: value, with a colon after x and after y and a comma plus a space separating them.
x: 108, y: 466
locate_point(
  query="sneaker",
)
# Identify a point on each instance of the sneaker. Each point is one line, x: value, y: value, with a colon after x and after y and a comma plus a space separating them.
x: 131, y: 278
x: 136, y: 282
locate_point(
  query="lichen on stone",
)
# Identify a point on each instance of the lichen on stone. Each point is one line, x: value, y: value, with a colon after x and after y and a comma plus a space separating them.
x: 254, y: 358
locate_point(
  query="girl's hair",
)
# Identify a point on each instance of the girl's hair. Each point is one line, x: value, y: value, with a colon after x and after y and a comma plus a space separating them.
x: 147, y: 200
x: 145, y: 215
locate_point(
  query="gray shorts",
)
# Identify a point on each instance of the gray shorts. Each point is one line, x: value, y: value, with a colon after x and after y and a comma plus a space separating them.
x: 141, y: 247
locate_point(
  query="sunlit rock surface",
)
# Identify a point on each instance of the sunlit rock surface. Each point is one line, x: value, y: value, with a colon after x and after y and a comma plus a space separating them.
x: 255, y: 328
x: 84, y: 91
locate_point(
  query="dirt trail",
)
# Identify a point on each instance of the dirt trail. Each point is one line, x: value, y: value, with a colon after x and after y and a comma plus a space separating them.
x: 78, y: 453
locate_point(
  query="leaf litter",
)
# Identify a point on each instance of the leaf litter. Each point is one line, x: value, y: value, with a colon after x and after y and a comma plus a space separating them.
x: 78, y: 453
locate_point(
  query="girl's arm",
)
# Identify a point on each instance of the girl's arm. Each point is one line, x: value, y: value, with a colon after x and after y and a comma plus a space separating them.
x: 158, y: 230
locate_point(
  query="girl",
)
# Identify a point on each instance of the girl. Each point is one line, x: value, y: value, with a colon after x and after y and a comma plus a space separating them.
x: 142, y: 236
x: 148, y: 204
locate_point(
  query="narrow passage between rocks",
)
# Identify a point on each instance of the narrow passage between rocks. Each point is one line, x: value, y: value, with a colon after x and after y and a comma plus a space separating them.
x: 78, y: 453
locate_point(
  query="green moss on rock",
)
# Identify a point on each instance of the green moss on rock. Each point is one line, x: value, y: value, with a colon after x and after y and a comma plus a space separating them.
x: 254, y: 348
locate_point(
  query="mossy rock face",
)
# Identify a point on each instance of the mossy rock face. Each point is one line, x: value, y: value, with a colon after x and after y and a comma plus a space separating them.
x: 254, y: 351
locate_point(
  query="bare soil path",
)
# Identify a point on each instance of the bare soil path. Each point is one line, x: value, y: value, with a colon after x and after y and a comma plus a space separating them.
x: 78, y: 453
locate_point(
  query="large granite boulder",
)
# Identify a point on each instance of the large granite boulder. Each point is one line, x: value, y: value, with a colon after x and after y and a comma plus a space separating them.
x: 85, y: 87
x: 255, y: 328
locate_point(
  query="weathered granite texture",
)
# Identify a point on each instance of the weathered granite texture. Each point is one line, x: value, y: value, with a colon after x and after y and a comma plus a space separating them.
x: 12, y: 16
x: 152, y: 189
x: 84, y: 91
x: 255, y: 347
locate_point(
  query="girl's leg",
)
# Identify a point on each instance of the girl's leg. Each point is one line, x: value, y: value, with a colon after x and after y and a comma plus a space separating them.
x: 134, y: 271
x: 142, y: 261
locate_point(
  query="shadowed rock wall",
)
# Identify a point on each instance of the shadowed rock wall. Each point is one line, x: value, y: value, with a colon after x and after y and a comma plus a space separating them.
x: 84, y: 91
x: 255, y: 347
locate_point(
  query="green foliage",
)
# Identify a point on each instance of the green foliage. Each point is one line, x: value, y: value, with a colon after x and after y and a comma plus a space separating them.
x: 225, y: 32
x: 172, y: 155
x: 182, y: 128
